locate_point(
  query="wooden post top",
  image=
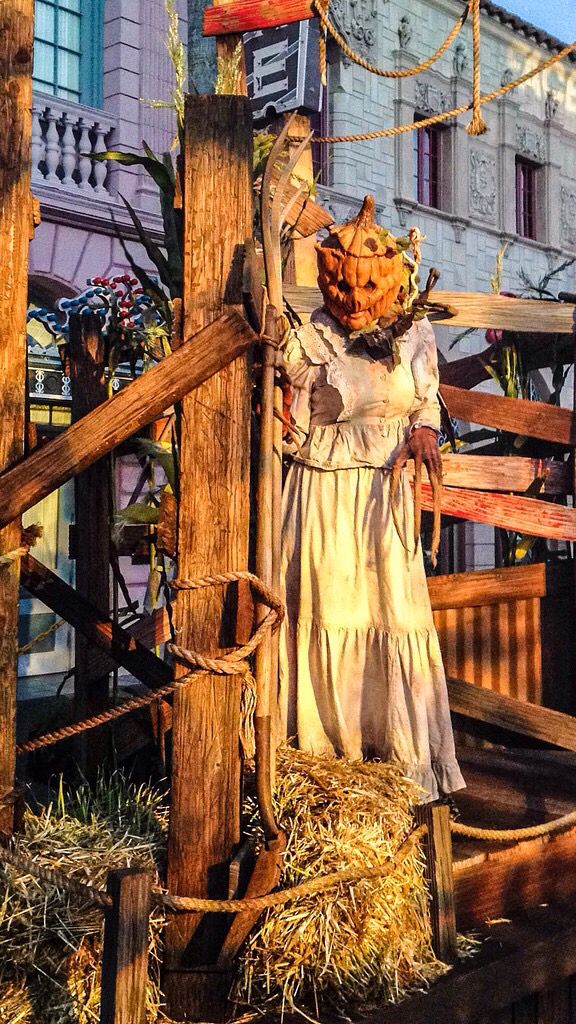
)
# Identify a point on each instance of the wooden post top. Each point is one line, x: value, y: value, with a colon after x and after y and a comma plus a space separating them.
x: 248, y: 15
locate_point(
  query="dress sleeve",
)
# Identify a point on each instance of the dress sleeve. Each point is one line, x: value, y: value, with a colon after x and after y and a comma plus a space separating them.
x: 301, y: 373
x: 425, y: 411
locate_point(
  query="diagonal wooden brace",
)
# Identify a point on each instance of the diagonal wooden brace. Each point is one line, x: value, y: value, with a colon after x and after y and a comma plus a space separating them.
x: 116, y: 642
x: 141, y: 402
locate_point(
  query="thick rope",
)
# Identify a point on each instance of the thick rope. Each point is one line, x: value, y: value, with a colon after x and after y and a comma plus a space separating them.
x: 446, y: 115
x: 50, y: 876
x: 322, y: 7
x: 186, y: 904
x: 67, y: 731
x: 477, y: 124
x: 507, y: 835
x: 233, y: 663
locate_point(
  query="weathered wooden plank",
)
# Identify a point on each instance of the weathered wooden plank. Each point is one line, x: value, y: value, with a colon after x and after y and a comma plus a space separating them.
x: 247, y: 15
x: 141, y: 402
x: 118, y: 644
x: 516, y: 415
x: 530, y: 516
x: 487, y: 586
x: 513, y: 877
x: 87, y: 357
x: 125, y: 953
x: 513, y: 715
x: 475, y: 309
x: 212, y: 537
x: 16, y: 42
x: 534, y: 952
x: 504, y: 473
x: 438, y: 847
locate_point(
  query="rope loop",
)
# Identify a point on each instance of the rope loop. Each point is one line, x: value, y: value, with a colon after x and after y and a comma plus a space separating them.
x: 447, y: 115
x: 322, y: 9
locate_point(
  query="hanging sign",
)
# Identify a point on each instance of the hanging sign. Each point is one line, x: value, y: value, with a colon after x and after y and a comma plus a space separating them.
x: 282, y: 69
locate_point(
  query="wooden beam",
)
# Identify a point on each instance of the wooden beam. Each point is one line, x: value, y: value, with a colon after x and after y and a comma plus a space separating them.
x: 134, y: 407
x: 487, y: 586
x: 528, y: 955
x: 516, y: 415
x: 513, y: 715
x: 125, y: 953
x: 214, y: 508
x: 16, y: 43
x: 117, y: 643
x: 507, y: 879
x: 530, y: 516
x: 87, y: 357
x: 475, y: 309
x: 503, y: 473
x: 248, y: 15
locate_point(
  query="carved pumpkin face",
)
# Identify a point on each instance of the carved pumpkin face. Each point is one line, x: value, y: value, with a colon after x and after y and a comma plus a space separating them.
x: 362, y: 275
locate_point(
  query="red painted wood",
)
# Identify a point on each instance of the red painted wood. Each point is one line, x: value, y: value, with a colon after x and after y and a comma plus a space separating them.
x: 248, y: 15
x: 530, y: 516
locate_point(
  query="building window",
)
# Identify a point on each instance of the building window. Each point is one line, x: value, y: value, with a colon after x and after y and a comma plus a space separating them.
x: 526, y: 182
x: 428, y: 165
x: 68, y: 49
x: 320, y: 124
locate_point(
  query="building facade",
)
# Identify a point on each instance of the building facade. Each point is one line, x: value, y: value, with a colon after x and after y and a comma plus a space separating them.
x: 515, y: 186
x: 96, y: 64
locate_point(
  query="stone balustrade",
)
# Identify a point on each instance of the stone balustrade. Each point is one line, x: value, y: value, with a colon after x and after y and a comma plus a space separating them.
x: 64, y: 135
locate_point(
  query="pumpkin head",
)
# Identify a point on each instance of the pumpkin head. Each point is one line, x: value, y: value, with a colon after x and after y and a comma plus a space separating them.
x: 364, y: 272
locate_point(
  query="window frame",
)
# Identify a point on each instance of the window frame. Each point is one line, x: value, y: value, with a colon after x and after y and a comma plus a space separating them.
x: 428, y: 166
x: 526, y: 187
x: 89, y: 53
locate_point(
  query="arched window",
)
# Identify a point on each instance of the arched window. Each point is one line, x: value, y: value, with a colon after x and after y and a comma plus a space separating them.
x: 68, y: 49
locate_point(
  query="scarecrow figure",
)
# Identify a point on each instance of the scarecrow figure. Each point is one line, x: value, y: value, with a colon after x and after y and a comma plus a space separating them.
x: 361, y: 672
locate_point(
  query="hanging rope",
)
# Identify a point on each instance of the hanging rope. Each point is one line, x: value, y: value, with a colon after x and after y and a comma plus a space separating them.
x: 41, y: 636
x: 477, y: 124
x: 322, y: 8
x: 233, y: 663
x: 446, y: 115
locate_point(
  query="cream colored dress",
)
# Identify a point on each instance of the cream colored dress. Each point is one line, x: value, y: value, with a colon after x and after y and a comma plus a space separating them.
x: 360, y: 669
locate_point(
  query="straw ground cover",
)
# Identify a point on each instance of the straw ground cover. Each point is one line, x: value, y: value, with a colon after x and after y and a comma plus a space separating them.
x: 358, y: 944
x: 50, y: 944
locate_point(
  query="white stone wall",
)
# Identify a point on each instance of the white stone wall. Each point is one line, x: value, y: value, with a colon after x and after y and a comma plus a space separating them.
x: 478, y: 175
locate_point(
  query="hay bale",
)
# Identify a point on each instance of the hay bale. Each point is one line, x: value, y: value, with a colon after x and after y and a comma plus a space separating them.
x: 51, y: 944
x: 358, y: 944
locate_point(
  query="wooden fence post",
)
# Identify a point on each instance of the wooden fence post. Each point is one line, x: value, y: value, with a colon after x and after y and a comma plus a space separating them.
x: 87, y: 354
x: 125, y: 954
x: 440, y: 878
x: 16, y: 41
x: 214, y: 505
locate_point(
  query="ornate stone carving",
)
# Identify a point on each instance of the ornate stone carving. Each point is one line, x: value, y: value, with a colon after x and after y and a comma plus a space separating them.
x: 530, y: 143
x: 482, y: 183
x: 568, y: 216
x: 356, y: 20
x: 507, y: 76
x: 404, y: 31
x: 550, y: 105
x: 428, y: 99
x: 460, y: 60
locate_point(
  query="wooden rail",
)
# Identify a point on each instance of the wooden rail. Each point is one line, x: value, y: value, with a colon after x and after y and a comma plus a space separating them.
x: 517, y: 716
x: 475, y: 309
x: 504, y: 473
x: 531, y: 516
x: 140, y: 403
x: 515, y: 415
